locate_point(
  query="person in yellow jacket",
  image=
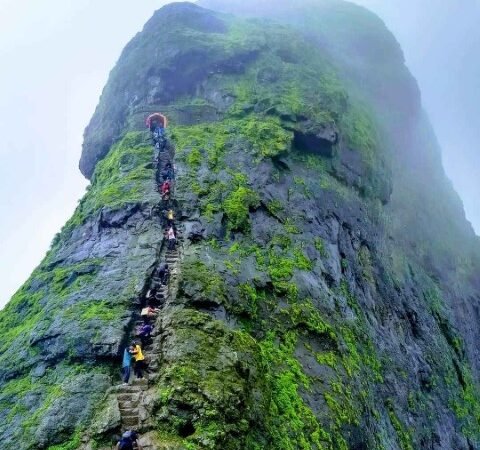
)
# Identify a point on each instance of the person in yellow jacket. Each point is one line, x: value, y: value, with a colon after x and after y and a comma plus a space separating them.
x: 170, y: 218
x: 139, y: 366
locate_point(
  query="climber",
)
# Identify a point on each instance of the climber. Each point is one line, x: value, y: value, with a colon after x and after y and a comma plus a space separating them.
x: 166, y: 185
x: 157, y: 123
x: 167, y: 172
x: 129, y: 441
x: 126, y: 364
x: 163, y: 272
x: 166, y: 275
x: 171, y: 238
x: 149, y: 312
x: 170, y: 172
x: 170, y: 218
x: 151, y: 293
x: 139, y: 367
x: 165, y: 190
x: 154, y: 298
x: 160, y: 144
x: 145, y: 333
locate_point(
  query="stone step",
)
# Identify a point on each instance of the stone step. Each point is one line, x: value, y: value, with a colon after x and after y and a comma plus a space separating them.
x: 129, y: 412
x: 132, y: 398
x: 125, y: 404
x: 126, y: 389
x: 129, y: 395
x: 130, y: 421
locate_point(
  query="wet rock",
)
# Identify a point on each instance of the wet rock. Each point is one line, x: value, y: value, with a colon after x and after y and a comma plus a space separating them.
x: 107, y: 419
x: 66, y: 413
x: 194, y: 231
x: 318, y: 139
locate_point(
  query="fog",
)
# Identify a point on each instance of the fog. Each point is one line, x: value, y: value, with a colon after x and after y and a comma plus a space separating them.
x: 441, y: 42
x: 56, y: 57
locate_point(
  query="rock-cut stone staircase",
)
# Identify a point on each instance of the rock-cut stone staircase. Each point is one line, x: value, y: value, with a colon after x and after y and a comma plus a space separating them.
x: 132, y: 397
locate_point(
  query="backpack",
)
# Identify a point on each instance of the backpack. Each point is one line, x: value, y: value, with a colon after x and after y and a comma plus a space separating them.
x: 125, y: 444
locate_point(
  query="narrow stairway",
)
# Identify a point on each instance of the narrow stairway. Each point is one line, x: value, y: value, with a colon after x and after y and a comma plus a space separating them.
x: 130, y: 396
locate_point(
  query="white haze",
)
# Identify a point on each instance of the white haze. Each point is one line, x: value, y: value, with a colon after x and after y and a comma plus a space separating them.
x: 56, y: 56
x: 441, y: 42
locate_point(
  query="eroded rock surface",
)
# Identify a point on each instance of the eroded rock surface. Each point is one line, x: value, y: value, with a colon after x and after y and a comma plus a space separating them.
x: 328, y: 285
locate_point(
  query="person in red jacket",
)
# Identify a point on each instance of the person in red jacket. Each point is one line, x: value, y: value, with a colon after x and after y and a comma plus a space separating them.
x: 165, y: 189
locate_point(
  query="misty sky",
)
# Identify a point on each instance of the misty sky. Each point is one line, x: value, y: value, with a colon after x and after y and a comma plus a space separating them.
x: 441, y: 42
x: 56, y: 56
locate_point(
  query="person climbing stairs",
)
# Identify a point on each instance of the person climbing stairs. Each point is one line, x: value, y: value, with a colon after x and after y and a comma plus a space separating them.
x: 131, y: 397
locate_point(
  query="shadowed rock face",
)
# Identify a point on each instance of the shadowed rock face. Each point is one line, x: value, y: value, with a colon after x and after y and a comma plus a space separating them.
x: 154, y: 68
x: 328, y: 292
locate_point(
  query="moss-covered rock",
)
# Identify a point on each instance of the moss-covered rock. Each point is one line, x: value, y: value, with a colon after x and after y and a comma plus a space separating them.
x: 329, y: 297
x: 62, y: 332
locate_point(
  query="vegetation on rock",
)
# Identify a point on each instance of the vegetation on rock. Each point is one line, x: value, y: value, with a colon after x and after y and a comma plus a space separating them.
x: 316, y: 308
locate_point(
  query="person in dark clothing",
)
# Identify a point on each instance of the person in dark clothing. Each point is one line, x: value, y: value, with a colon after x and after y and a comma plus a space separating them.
x: 160, y: 144
x: 145, y: 333
x: 163, y: 272
x: 159, y: 132
x: 150, y: 295
x: 160, y: 270
x: 169, y: 170
x: 165, y: 174
x: 166, y: 275
x: 129, y: 441
x: 153, y: 126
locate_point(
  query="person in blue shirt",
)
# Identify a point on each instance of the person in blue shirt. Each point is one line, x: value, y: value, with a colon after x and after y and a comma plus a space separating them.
x: 126, y: 364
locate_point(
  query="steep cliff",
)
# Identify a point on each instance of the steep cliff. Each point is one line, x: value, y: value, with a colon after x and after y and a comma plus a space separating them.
x: 328, y: 289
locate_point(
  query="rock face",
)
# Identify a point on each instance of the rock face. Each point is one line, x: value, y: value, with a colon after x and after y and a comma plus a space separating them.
x: 328, y: 296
